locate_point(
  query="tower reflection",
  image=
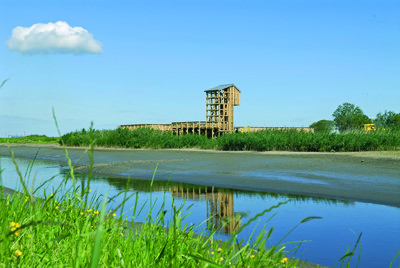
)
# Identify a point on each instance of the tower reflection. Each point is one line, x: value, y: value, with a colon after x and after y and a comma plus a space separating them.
x: 220, y: 205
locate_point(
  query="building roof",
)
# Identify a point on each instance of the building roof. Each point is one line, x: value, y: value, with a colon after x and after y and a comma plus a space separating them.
x: 221, y: 87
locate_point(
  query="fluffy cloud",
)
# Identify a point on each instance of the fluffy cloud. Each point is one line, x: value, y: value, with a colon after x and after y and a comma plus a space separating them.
x: 56, y: 37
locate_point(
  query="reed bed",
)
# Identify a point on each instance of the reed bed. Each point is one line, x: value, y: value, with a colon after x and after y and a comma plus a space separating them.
x: 268, y: 140
x: 31, y: 139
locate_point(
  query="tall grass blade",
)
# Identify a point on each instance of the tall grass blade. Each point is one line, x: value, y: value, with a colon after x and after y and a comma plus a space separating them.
x: 99, y: 236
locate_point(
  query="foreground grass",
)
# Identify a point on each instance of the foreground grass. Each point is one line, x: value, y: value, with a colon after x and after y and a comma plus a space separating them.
x: 31, y: 139
x: 54, y: 233
x: 269, y: 140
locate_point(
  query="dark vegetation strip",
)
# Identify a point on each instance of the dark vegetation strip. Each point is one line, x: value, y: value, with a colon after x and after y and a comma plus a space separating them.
x: 268, y: 140
x: 30, y: 139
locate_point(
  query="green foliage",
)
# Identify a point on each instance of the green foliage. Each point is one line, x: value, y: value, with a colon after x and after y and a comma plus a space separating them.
x: 388, y: 119
x: 267, y: 140
x: 323, y: 126
x: 348, y: 117
x: 138, y: 138
x: 30, y: 139
x: 301, y: 141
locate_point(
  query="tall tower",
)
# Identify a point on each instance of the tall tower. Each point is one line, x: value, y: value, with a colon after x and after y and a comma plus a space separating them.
x: 219, y: 107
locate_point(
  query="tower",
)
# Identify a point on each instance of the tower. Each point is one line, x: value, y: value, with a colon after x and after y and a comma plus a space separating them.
x: 219, y: 108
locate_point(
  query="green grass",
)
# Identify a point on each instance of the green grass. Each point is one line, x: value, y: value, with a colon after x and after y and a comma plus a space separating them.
x: 74, y: 230
x: 31, y: 139
x: 268, y: 140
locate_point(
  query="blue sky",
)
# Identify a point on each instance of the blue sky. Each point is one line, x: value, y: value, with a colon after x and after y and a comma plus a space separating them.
x: 150, y: 61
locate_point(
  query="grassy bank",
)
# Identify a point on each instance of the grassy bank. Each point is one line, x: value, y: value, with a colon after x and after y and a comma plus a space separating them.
x: 30, y: 139
x: 269, y: 140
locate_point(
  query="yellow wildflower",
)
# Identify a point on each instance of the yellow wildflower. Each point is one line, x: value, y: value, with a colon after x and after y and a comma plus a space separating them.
x: 212, y: 252
x: 56, y: 207
x: 17, y: 253
x: 284, y: 260
x: 252, y: 256
x: 90, y: 190
x: 219, y: 249
x: 89, y: 210
x: 14, y: 226
x: 96, y: 212
x: 81, y: 213
x: 114, y: 214
x: 221, y: 259
x: 122, y: 234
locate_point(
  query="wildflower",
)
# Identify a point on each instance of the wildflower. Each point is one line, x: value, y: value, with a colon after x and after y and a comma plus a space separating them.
x: 229, y: 263
x: 212, y: 252
x: 114, y: 214
x: 14, y: 226
x: 56, y: 207
x: 252, y: 256
x: 17, y: 253
x: 219, y: 249
x: 122, y: 234
x: 221, y: 259
x: 96, y: 212
x: 284, y: 260
x: 26, y: 198
x: 89, y: 210
x: 77, y: 194
x: 90, y: 190
x: 81, y: 213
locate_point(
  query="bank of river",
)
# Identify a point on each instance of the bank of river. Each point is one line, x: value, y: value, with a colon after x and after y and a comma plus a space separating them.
x: 230, y: 183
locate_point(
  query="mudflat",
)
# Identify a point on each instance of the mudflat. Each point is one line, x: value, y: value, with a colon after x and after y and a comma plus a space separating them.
x: 360, y: 176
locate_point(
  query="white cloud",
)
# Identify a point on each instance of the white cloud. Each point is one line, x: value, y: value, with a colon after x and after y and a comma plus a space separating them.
x: 57, y: 37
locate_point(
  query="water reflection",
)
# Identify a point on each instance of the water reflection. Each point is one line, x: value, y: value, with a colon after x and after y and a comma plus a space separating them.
x: 220, y: 205
x: 219, y: 202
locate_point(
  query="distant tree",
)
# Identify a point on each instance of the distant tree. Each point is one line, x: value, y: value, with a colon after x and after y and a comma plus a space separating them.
x: 323, y: 126
x: 388, y: 119
x: 349, y: 117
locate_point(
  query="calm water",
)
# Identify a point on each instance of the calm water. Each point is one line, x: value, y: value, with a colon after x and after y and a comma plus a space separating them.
x: 328, y: 238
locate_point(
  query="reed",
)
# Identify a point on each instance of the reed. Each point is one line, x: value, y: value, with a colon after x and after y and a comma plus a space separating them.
x: 267, y: 140
x: 31, y: 139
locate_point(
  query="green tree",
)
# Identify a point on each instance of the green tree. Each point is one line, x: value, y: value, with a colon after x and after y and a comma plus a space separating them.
x: 323, y: 126
x: 388, y: 119
x: 348, y: 117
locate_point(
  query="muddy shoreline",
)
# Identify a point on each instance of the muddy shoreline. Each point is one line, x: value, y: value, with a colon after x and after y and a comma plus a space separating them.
x: 372, y: 177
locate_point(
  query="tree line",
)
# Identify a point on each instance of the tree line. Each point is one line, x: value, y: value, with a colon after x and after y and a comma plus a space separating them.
x: 349, y: 117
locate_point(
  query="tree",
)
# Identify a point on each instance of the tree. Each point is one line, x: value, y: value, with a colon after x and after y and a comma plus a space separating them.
x: 349, y: 117
x: 388, y: 119
x: 323, y: 126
